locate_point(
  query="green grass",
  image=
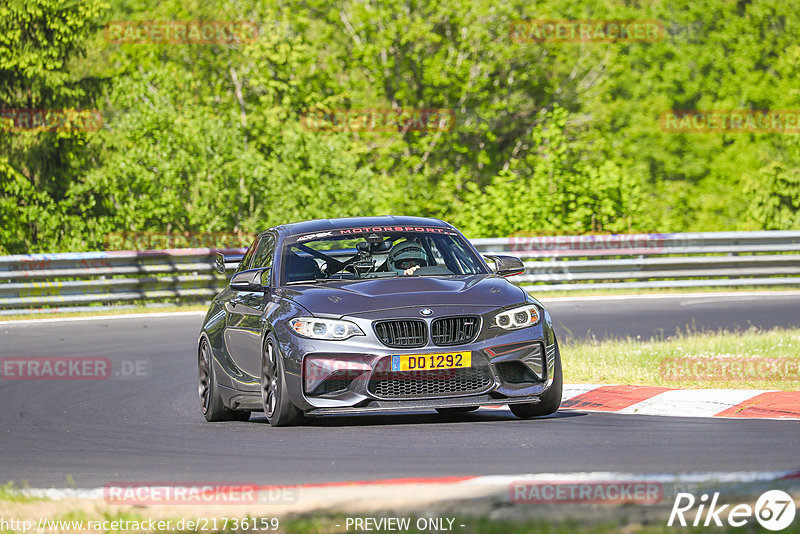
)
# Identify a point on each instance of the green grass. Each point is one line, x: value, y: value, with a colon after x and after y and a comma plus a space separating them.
x: 9, y: 492
x: 106, y: 311
x: 637, y: 362
x: 325, y: 524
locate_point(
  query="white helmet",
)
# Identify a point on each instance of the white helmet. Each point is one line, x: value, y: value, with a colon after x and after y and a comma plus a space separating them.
x: 405, y: 255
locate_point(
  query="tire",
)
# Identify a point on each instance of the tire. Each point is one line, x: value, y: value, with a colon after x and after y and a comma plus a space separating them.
x: 549, y: 402
x: 278, y: 408
x: 458, y: 410
x: 211, y: 404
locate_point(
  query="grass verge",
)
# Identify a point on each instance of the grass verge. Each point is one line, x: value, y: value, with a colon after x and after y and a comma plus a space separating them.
x: 106, y: 311
x: 722, y: 359
x: 322, y: 523
x: 9, y: 492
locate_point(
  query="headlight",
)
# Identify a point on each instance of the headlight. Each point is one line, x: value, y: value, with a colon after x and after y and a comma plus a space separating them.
x: 521, y: 317
x: 324, y: 328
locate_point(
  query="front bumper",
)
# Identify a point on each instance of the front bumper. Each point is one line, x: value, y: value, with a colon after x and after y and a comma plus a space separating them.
x: 514, y: 367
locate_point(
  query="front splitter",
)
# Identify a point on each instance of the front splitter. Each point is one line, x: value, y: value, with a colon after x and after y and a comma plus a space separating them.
x: 378, y: 406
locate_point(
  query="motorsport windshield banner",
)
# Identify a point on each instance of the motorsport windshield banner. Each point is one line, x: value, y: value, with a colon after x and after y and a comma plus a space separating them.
x: 371, y: 229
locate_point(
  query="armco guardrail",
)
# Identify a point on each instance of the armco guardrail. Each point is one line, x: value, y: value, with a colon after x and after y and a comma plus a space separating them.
x: 69, y: 281
x: 633, y: 261
x: 55, y: 282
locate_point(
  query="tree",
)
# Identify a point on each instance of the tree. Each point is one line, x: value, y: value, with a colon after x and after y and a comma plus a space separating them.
x: 41, y: 44
x: 773, y: 192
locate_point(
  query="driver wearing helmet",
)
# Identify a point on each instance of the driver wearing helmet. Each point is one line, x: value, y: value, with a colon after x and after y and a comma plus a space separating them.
x: 407, y: 257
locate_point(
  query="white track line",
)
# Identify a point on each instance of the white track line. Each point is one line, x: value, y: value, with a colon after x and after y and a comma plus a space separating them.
x: 499, y: 481
x: 721, y: 295
x: 611, y: 476
x: 573, y: 390
x: 28, y: 322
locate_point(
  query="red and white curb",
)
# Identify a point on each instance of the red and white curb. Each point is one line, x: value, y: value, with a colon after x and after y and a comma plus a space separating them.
x: 654, y: 400
x: 650, y: 400
x: 489, y: 484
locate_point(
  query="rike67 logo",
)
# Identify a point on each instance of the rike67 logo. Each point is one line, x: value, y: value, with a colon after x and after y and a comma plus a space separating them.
x: 774, y: 510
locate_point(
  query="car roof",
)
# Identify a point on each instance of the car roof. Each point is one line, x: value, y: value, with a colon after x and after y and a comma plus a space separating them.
x: 320, y: 225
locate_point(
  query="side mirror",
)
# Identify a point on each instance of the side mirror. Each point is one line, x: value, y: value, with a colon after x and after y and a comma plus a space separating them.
x: 219, y: 263
x: 507, y: 265
x: 250, y: 280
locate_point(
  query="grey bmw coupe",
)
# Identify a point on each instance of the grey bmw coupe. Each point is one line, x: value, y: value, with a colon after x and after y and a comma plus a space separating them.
x: 373, y: 315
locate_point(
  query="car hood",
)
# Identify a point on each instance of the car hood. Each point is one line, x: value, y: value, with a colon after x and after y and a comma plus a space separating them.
x: 354, y: 297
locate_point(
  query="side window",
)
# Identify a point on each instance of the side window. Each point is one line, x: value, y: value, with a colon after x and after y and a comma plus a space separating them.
x: 264, y: 254
x: 244, y: 264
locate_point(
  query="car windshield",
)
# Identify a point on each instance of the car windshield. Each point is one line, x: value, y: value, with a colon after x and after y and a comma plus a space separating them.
x: 361, y: 253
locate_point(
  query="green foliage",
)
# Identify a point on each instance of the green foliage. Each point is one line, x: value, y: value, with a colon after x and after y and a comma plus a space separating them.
x: 581, y: 198
x: 41, y: 43
x: 775, y: 189
x: 548, y: 137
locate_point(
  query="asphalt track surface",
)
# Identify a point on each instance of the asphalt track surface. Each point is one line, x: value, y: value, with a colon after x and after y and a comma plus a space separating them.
x: 149, y: 428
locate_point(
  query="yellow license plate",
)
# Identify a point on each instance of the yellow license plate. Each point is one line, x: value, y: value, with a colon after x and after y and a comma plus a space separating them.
x: 431, y: 362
